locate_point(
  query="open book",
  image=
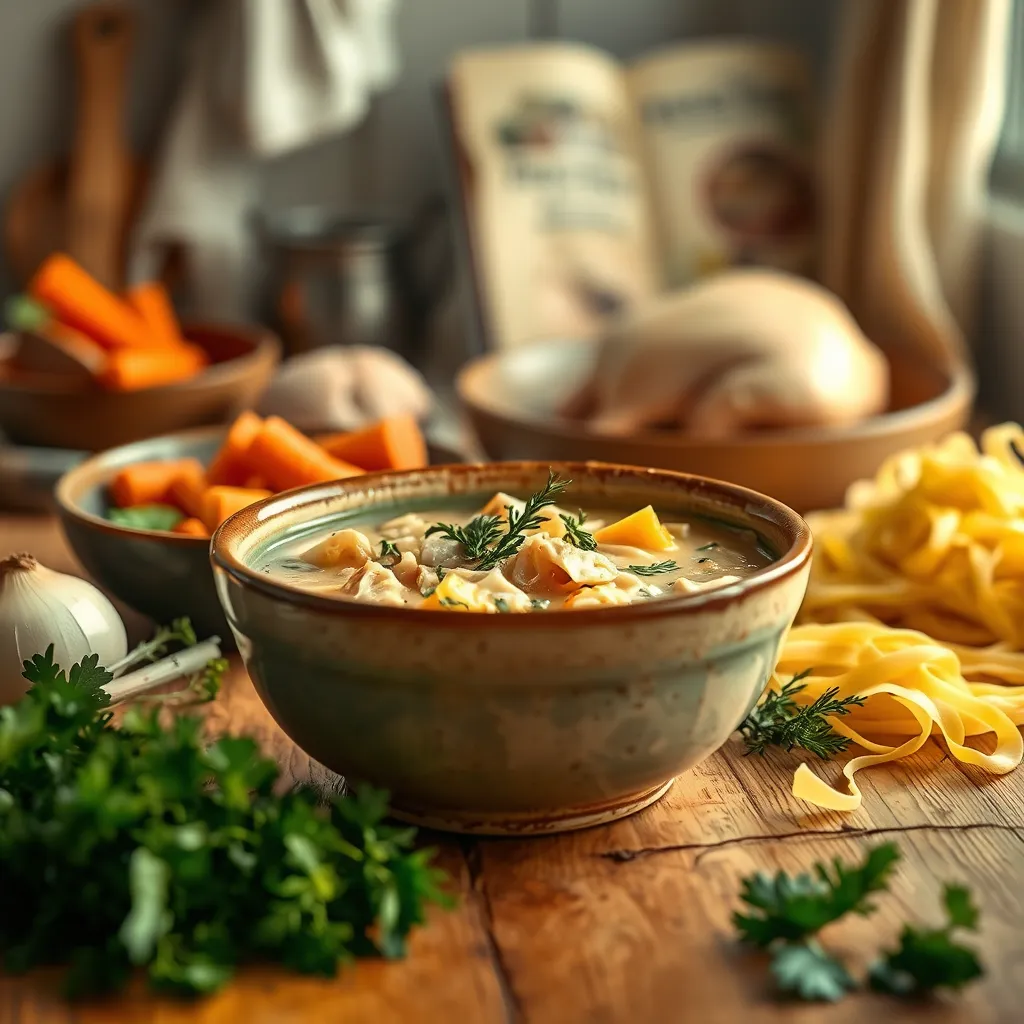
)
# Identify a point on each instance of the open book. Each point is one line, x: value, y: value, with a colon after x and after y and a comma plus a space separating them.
x: 588, y: 186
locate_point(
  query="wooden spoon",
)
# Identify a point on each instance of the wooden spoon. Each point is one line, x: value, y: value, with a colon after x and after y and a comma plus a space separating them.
x: 85, y: 205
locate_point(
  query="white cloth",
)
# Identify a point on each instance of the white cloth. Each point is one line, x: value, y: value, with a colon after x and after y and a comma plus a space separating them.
x: 911, y: 129
x: 265, y: 77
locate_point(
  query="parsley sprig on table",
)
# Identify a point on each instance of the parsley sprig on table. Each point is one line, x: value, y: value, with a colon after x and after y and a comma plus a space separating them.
x: 785, y: 914
x: 480, y: 533
x: 781, y: 721
x: 141, y: 846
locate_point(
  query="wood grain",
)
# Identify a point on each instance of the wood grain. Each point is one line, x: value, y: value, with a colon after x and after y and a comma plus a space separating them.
x: 631, y: 922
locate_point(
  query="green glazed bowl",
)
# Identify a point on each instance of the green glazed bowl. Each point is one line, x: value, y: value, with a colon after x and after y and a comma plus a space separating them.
x: 510, y: 724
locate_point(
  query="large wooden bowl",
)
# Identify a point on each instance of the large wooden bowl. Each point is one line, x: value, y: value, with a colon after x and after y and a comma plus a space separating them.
x: 512, y: 399
x: 41, y: 410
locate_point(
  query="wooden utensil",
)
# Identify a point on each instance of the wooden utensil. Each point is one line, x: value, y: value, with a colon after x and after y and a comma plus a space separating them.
x: 85, y: 205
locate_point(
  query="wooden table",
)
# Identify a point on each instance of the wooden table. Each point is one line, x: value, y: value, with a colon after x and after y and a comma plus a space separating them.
x: 630, y: 922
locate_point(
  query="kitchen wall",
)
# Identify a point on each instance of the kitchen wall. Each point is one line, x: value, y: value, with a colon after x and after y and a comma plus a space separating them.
x: 395, y: 158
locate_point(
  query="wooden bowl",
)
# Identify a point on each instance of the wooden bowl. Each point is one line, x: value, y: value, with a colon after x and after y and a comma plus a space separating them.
x: 44, y: 411
x: 512, y: 399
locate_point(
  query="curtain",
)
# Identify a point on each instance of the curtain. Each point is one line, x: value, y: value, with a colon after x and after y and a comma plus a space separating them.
x: 910, y: 130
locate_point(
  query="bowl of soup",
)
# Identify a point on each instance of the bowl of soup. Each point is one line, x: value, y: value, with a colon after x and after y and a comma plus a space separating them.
x: 512, y: 647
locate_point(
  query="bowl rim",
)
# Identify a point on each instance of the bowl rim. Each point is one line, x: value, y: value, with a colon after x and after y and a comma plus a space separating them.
x: 960, y: 388
x: 265, y: 345
x: 789, y: 563
x: 71, y: 483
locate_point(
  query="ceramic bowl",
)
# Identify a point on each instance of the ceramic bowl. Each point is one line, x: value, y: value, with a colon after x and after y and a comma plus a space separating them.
x: 512, y: 400
x: 522, y: 723
x: 161, y: 575
x: 36, y: 410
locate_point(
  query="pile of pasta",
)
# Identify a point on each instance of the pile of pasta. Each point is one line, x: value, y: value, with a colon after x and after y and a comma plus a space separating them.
x: 916, y: 603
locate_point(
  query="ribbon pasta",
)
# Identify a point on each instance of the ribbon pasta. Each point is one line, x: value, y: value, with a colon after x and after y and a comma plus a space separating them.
x: 916, y: 602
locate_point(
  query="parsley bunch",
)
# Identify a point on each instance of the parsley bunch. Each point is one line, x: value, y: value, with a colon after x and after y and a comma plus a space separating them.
x: 141, y: 846
x: 786, y: 914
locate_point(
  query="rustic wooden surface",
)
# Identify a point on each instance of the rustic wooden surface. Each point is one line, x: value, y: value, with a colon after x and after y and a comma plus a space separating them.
x: 630, y: 922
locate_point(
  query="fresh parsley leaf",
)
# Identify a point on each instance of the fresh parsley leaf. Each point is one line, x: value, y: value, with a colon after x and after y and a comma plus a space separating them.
x: 795, y: 908
x: 388, y: 549
x: 655, y: 569
x: 929, y: 959
x: 781, y: 721
x: 501, y: 604
x: 806, y: 970
x: 146, y: 517
x: 450, y: 602
x: 574, y: 532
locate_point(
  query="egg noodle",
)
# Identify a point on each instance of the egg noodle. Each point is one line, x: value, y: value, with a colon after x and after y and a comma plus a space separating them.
x: 916, y: 602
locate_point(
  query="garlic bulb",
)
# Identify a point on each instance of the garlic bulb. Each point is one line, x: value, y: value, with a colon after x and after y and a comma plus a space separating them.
x: 39, y: 607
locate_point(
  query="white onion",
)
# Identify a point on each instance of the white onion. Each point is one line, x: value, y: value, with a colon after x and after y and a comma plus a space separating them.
x: 39, y: 607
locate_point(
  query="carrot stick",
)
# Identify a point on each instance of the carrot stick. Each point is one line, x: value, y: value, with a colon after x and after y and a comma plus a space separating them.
x: 78, y: 300
x: 192, y: 527
x: 392, y: 443
x: 289, y: 459
x: 152, y: 303
x: 148, y: 483
x: 128, y: 370
x: 230, y: 465
x: 221, y: 502
x: 187, y: 488
x: 256, y: 482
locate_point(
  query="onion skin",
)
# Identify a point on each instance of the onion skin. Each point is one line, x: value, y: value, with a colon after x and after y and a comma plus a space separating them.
x: 39, y: 607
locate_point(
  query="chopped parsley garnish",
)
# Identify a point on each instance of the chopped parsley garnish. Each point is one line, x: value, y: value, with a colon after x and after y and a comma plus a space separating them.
x: 501, y: 604
x: 538, y: 604
x: 652, y: 570
x: 388, y: 549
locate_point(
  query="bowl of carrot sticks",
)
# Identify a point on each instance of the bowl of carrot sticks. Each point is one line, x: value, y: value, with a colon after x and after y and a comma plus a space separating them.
x: 139, y: 516
x: 91, y: 369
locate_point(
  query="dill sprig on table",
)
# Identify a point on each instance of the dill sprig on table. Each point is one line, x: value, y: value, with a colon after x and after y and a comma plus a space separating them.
x: 781, y: 721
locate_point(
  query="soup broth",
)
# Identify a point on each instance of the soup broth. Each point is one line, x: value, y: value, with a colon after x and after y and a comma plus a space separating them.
x: 516, y: 556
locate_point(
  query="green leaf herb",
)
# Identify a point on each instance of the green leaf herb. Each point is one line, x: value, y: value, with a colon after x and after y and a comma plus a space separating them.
x: 146, y: 517
x: 475, y: 537
x: 574, y: 532
x: 929, y: 959
x: 520, y: 523
x: 655, y: 569
x: 710, y: 546
x: 806, y: 970
x: 501, y: 604
x: 781, y: 721
x: 388, y: 549
x: 539, y: 604
x: 143, y: 846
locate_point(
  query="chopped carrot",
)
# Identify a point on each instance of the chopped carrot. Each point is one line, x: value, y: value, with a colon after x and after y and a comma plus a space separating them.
x: 75, y: 298
x: 147, y: 483
x: 192, y: 527
x: 221, y: 502
x: 257, y: 482
x: 152, y: 303
x: 230, y: 465
x: 287, y: 458
x: 187, y: 488
x: 393, y: 443
x: 151, y: 368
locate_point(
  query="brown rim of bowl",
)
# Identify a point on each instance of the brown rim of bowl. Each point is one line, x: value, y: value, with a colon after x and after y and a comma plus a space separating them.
x: 96, y: 474
x: 265, y: 346
x: 961, y: 388
x: 741, y: 498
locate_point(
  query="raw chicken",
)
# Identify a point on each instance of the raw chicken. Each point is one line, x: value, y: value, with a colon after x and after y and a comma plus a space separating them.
x: 744, y: 350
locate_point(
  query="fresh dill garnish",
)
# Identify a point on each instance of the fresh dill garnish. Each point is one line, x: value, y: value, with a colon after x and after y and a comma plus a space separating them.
x: 501, y: 604
x: 708, y: 547
x: 388, y: 549
x: 475, y: 537
x: 652, y: 570
x: 781, y: 721
x: 574, y: 532
x: 538, y: 604
x: 519, y: 523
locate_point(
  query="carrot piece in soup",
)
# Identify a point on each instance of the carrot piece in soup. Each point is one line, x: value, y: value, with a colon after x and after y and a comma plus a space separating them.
x: 151, y: 367
x: 79, y: 301
x: 152, y: 303
x: 287, y: 458
x: 149, y: 483
x: 231, y: 464
x: 187, y: 488
x: 393, y: 443
x: 192, y: 527
x: 221, y: 502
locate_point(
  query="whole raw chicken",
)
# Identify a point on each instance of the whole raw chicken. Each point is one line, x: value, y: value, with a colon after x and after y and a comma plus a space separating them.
x: 746, y: 349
